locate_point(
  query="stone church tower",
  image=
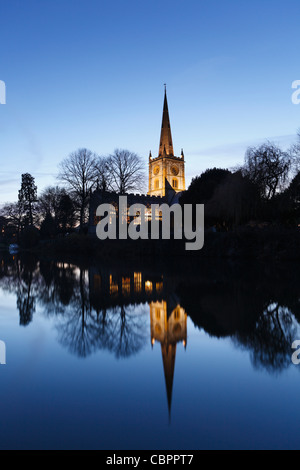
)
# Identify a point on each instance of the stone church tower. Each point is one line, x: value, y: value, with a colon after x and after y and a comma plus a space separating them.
x: 166, y: 172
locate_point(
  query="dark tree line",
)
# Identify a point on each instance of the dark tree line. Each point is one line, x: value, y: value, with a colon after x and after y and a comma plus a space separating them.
x: 59, y: 209
x: 265, y: 189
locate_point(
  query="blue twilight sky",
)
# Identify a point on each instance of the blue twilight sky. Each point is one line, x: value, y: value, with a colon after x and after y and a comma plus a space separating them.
x: 90, y: 73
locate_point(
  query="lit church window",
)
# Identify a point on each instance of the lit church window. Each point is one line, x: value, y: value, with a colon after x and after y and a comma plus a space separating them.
x: 176, y: 314
x: 159, y: 287
x: 125, y: 285
x: 148, y: 287
x: 137, y: 282
x: 137, y: 218
x: 113, y: 286
x: 175, y: 183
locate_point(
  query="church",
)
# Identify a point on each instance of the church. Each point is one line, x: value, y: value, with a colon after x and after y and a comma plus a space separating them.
x: 166, y: 177
x: 166, y: 172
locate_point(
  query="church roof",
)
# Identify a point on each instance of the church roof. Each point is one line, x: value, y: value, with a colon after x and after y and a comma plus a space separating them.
x: 166, y: 143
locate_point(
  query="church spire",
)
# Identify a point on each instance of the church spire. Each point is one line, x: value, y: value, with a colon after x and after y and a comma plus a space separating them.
x: 166, y: 143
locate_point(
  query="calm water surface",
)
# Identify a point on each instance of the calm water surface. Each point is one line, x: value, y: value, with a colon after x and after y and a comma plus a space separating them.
x: 171, y: 357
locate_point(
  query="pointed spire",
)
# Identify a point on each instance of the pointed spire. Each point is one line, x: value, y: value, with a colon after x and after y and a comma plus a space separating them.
x: 166, y: 135
x: 150, y: 155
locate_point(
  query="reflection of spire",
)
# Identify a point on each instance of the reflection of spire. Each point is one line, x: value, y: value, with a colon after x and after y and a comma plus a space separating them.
x: 168, y: 322
x: 168, y: 355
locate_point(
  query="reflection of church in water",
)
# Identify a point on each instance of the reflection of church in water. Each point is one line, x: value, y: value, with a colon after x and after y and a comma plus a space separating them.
x: 168, y: 327
x: 168, y: 320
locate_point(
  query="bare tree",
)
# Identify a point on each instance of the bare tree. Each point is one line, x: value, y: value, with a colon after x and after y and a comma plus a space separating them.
x: 49, y: 201
x: 295, y: 154
x: 127, y: 171
x: 13, y: 213
x: 268, y: 167
x: 79, y: 172
x: 104, y: 178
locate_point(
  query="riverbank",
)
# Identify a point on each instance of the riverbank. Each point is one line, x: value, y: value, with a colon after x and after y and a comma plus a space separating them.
x: 276, y: 244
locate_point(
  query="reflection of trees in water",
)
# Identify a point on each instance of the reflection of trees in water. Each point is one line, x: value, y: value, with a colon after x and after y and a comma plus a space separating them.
x: 25, y: 302
x: 62, y: 290
x: 124, y: 333
x: 22, y: 278
x: 271, y: 339
x: 77, y: 331
x: 76, y: 328
x: 259, y: 310
x: 59, y: 283
x: 120, y: 330
x: 83, y: 330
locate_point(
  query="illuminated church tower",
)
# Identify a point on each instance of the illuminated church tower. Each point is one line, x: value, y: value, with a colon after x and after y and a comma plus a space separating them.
x: 166, y: 172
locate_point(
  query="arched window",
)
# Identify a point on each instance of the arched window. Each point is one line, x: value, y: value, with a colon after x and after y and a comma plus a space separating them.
x: 156, y: 184
x: 175, y: 183
x: 176, y: 314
